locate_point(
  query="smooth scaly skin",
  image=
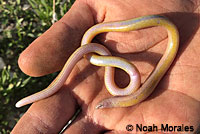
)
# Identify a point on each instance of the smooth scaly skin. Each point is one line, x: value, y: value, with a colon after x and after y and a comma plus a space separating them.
x: 152, y: 81
x: 145, y: 90
x: 71, y: 62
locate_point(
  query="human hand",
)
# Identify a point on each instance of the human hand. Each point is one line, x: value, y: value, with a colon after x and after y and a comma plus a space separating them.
x: 175, y: 101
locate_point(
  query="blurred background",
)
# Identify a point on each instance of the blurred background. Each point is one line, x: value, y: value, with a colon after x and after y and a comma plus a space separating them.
x: 21, y: 22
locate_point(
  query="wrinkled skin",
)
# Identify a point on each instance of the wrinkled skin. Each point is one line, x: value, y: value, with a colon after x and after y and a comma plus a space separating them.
x: 175, y: 101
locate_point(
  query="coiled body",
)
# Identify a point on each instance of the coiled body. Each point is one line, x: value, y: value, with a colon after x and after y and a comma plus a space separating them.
x: 133, y: 93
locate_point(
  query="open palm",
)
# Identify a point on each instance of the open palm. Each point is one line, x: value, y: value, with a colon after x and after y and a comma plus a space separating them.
x: 175, y: 101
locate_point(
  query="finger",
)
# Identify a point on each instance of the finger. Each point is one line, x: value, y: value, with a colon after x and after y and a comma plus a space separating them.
x: 38, y: 59
x: 49, y: 52
x: 48, y: 115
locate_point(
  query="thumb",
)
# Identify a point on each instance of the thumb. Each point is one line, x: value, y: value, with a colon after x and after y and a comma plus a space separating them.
x: 49, y: 52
